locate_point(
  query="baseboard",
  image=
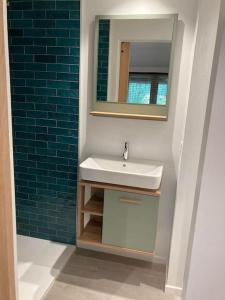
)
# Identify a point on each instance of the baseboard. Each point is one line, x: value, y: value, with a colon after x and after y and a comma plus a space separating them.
x: 159, y: 260
x: 173, y: 290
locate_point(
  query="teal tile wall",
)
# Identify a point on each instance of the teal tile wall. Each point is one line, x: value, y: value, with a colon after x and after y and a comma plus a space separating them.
x: 44, y: 46
x: 103, y: 60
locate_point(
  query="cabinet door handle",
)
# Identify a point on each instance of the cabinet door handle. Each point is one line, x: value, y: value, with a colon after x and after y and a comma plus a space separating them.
x: 130, y: 201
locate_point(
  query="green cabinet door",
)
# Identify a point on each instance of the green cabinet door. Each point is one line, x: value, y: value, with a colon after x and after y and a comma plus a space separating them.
x: 130, y: 220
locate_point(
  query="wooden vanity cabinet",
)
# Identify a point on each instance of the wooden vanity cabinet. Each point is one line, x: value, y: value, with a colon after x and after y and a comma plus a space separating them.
x: 117, y: 219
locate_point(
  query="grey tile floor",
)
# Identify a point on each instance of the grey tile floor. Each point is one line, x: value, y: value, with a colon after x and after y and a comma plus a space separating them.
x: 95, y: 276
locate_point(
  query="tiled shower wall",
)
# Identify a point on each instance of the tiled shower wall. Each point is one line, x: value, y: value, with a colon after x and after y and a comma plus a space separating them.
x: 44, y: 39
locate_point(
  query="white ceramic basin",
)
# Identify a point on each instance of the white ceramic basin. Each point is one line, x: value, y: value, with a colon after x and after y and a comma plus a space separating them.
x: 111, y: 169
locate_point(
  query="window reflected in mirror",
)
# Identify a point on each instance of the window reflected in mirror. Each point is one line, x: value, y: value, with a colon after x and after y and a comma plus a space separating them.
x: 145, y: 78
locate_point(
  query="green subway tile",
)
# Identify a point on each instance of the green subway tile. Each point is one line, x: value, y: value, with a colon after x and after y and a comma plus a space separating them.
x: 19, y: 113
x: 34, y: 32
x: 74, y: 69
x: 22, y: 58
x: 16, y: 49
x: 45, y: 75
x: 35, y: 184
x: 24, y: 121
x: 58, y: 174
x: 58, y: 32
x: 57, y: 146
x: 46, y: 137
x: 23, y: 74
x: 44, y: 5
x: 46, y: 179
x: 35, y: 50
x: 14, y: 14
x: 37, y: 114
x: 18, y: 82
x: 21, y: 23
x: 21, y: 156
x: 67, y: 76
x: 58, y: 68
x: 66, y: 182
x: 45, y: 58
x: 52, y: 14
x: 74, y: 14
x: 61, y: 116
x: 70, y: 5
x: 18, y: 98
x: 58, y: 50
x: 67, y: 93
x: 75, y: 33
x: 47, y: 151
x: 46, y: 107
x: 57, y: 131
x: 26, y: 176
x: 58, y: 116
x: 44, y: 23
x: 58, y: 100
x: 45, y: 91
x: 67, y: 154
x: 66, y: 59
x: 46, y: 192
x: 25, y: 135
x: 34, y: 14
x: 46, y: 166
x: 16, y: 32
x: 45, y: 41
x: 67, y: 24
x: 59, y: 84
x: 66, y: 109
x: 35, y: 83
x: 75, y: 51
x: 34, y: 129
x: 23, y: 106
x: 66, y: 140
x: 35, y: 66
x: 46, y: 122
x: 21, y: 5
x: 67, y: 42
x: 36, y: 99
x: 23, y: 90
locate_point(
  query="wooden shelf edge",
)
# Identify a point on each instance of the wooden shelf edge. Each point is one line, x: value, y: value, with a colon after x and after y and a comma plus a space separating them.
x: 155, y: 193
x: 86, y: 211
x: 128, y: 116
x: 92, y: 208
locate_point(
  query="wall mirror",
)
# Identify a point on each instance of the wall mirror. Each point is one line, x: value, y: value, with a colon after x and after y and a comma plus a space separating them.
x: 133, y: 63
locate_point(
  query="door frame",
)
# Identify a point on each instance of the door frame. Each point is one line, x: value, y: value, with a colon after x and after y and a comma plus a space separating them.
x: 7, y: 198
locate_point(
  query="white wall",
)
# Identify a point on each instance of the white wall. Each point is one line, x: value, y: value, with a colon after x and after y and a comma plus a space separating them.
x: 206, y: 264
x: 208, y: 14
x: 148, y: 139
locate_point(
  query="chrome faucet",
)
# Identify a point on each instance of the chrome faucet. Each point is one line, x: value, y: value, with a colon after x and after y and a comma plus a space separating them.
x: 126, y: 151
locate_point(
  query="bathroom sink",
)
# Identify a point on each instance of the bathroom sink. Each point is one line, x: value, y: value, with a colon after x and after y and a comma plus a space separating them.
x: 111, y: 169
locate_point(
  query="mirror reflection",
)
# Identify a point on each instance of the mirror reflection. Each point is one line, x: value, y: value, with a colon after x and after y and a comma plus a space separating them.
x: 144, y: 69
x: 134, y: 61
